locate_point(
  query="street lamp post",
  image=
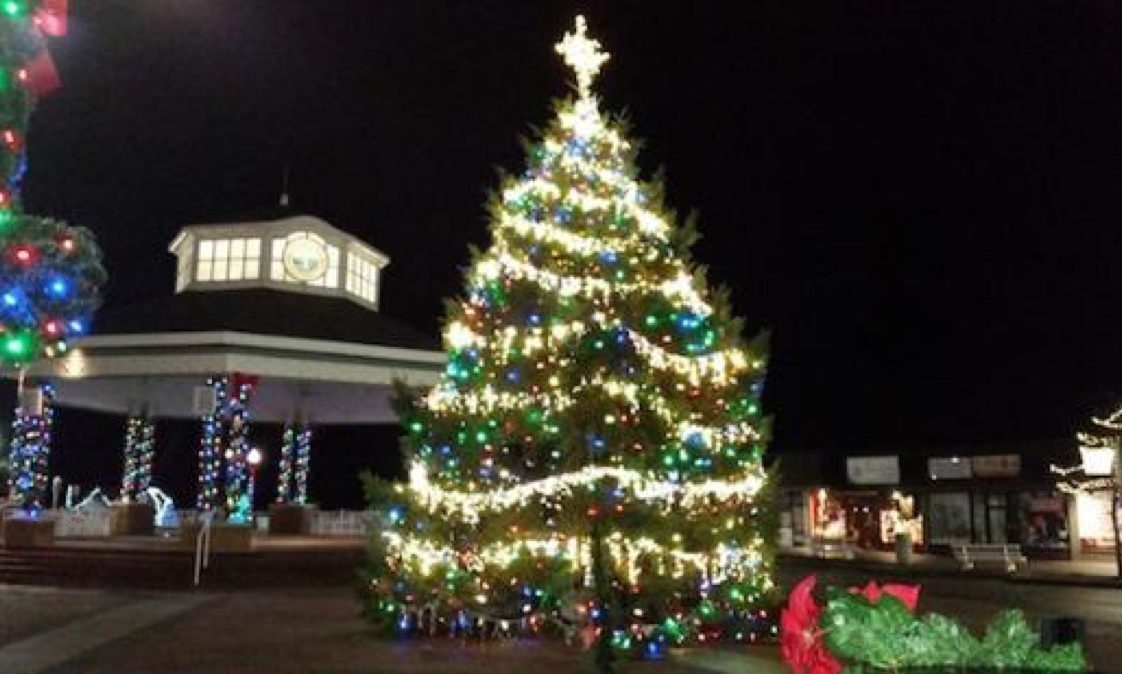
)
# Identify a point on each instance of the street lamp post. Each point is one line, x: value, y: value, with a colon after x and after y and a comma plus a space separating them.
x: 253, y: 459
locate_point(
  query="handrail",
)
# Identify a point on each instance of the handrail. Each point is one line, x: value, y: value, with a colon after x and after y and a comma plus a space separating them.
x: 202, y: 545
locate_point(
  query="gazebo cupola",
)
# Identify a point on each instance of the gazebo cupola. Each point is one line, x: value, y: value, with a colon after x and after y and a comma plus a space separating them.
x: 299, y: 253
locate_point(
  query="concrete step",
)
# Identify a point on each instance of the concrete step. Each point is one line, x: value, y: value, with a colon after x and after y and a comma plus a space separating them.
x: 174, y: 569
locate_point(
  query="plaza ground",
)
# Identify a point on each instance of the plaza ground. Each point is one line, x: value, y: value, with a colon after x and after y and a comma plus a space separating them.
x: 274, y: 632
x: 318, y: 630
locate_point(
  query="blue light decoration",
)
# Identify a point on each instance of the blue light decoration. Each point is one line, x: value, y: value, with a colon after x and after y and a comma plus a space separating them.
x: 29, y: 451
x: 140, y: 450
x: 58, y: 287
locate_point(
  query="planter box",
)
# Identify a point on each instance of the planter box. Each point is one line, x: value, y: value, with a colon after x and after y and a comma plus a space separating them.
x: 20, y: 532
x: 131, y: 519
x: 226, y: 537
x: 286, y: 519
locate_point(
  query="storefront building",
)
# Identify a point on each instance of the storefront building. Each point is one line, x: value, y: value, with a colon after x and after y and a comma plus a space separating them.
x: 942, y: 499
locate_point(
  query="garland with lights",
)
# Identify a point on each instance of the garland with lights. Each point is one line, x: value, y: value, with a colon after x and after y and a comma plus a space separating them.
x: 591, y: 460
x: 140, y: 450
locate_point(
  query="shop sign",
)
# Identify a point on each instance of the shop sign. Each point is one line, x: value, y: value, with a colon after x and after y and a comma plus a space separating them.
x: 949, y: 468
x: 1051, y: 504
x: 873, y: 469
x: 997, y: 465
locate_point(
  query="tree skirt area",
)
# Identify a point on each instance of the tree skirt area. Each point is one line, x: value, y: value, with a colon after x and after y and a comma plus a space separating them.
x: 322, y: 632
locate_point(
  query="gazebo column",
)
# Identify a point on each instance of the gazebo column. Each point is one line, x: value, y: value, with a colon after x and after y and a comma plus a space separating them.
x: 30, y: 447
x: 291, y: 513
x: 286, y: 475
x: 238, y: 507
x: 303, y: 462
x: 140, y: 450
x: 133, y: 515
x: 211, y: 447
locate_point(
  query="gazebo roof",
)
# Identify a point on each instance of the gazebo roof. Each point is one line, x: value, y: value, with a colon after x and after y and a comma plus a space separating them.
x: 287, y: 299
x: 263, y: 311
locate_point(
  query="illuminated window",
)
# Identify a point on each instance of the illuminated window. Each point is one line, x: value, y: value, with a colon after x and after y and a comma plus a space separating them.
x: 228, y: 259
x: 362, y: 277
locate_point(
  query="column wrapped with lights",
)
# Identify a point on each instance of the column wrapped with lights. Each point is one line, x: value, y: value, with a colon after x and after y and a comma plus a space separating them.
x: 595, y: 385
x: 209, y: 494
x: 29, y: 451
x: 140, y: 451
x: 303, y: 463
x: 285, y: 475
x: 238, y: 507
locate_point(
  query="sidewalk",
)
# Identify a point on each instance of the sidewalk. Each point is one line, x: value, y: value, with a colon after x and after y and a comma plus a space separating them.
x: 1086, y: 573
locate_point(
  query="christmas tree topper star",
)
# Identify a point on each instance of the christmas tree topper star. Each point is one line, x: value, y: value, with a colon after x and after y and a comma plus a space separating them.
x: 582, y: 55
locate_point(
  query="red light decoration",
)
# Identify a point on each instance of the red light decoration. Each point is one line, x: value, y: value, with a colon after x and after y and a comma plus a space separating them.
x: 24, y: 254
x: 11, y: 140
x: 52, y: 328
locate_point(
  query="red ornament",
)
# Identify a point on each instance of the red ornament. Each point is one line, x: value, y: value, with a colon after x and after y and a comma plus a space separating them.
x: 801, y: 638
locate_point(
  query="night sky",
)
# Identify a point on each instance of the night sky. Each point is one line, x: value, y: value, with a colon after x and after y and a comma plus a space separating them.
x: 920, y: 199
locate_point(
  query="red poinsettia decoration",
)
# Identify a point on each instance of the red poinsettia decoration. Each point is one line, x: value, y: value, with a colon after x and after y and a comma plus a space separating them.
x: 907, y: 594
x: 801, y: 636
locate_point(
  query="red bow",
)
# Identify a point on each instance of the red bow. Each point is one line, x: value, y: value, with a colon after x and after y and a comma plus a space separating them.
x: 801, y: 637
x: 907, y: 594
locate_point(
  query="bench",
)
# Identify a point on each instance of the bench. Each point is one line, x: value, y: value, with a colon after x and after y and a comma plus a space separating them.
x: 825, y: 547
x: 1008, y: 554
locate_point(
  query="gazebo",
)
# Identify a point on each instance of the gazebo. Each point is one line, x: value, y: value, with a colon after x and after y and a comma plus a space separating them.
x: 272, y: 319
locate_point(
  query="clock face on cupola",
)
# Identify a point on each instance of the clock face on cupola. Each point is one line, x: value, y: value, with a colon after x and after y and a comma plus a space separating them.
x: 299, y: 254
x: 305, y: 259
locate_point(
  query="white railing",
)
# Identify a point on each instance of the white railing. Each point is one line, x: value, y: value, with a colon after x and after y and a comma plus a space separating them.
x: 339, y: 523
x: 202, y: 545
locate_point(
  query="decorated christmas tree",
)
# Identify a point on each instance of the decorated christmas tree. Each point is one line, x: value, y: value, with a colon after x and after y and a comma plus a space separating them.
x: 50, y: 272
x: 592, y: 456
